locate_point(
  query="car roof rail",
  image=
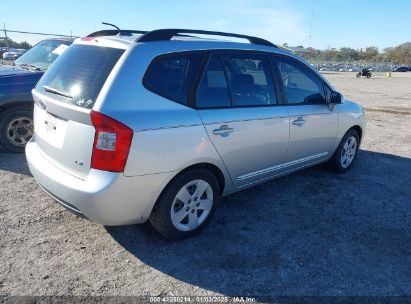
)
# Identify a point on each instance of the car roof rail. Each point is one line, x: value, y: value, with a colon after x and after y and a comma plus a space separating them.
x: 115, y: 32
x: 168, y: 34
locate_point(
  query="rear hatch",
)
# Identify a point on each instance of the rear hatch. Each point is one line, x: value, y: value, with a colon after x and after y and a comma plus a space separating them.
x: 64, y: 97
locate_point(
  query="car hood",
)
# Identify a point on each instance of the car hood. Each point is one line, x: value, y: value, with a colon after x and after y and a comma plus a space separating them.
x: 9, y: 70
x: 14, y: 75
x: 16, y: 83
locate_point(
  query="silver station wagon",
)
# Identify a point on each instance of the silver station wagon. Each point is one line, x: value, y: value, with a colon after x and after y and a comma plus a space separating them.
x: 131, y: 126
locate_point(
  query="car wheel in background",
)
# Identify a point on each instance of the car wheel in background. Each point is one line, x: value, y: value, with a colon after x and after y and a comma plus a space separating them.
x: 16, y: 129
x: 346, y: 153
x: 186, y: 205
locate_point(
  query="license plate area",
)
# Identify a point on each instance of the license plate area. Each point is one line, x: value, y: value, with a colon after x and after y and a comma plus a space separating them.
x: 50, y: 123
x: 49, y: 128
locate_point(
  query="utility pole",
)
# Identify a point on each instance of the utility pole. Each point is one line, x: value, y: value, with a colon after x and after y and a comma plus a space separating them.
x: 311, y: 27
x: 5, y: 36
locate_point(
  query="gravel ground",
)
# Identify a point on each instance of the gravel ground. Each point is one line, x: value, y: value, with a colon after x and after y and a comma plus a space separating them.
x: 310, y: 233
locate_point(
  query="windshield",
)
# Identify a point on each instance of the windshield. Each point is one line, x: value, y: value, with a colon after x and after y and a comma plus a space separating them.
x: 42, y: 54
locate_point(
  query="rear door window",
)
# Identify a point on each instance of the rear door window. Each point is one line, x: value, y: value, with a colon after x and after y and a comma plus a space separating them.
x: 78, y: 75
x: 170, y: 76
x: 250, y: 79
x: 213, y: 90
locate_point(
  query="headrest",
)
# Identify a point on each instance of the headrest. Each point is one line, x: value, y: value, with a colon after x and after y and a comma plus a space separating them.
x: 242, y: 83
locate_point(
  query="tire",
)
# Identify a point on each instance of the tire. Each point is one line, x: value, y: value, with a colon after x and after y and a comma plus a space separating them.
x: 369, y: 75
x: 343, y: 159
x: 16, y: 129
x: 358, y: 75
x: 183, y: 224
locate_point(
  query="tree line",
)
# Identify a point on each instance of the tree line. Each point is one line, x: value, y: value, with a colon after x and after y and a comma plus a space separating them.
x: 15, y: 45
x: 397, y: 55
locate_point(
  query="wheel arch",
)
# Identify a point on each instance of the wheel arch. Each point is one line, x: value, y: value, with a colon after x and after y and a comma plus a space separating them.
x: 16, y: 104
x: 216, y: 171
x: 358, y: 129
x: 160, y: 217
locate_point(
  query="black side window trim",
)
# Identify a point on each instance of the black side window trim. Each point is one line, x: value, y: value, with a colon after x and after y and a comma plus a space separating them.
x: 195, y: 83
x: 193, y: 86
x: 200, y: 78
x: 305, y: 67
x: 190, y: 85
x: 271, y: 77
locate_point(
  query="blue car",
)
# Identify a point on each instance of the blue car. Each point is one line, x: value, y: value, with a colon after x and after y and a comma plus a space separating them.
x: 401, y: 69
x: 16, y: 83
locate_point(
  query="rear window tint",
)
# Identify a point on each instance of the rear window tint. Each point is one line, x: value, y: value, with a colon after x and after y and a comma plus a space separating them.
x: 250, y: 79
x: 170, y: 76
x: 78, y: 75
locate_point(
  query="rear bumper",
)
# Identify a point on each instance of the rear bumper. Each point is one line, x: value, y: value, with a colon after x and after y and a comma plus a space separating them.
x: 106, y: 198
x: 66, y: 205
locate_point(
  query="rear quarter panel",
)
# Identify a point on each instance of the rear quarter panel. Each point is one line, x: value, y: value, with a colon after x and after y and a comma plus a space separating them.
x: 172, y: 150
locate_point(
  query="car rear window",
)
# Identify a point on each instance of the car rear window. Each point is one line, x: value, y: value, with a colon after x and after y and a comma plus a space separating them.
x: 170, y: 75
x: 78, y: 75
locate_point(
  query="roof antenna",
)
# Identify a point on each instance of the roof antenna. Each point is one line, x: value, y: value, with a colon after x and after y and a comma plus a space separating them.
x: 118, y: 29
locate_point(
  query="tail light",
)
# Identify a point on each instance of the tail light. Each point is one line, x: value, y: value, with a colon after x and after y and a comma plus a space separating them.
x: 111, y: 143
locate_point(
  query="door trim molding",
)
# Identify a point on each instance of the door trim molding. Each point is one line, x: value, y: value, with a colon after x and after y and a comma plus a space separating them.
x: 280, y: 166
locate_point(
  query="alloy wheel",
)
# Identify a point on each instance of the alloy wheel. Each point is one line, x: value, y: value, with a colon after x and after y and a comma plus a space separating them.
x: 348, y: 152
x: 191, y: 205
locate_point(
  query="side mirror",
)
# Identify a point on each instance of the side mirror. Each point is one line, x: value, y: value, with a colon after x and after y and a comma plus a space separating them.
x: 336, y: 97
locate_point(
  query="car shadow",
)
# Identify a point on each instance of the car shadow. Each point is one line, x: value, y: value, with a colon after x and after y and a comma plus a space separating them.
x: 14, y: 163
x: 309, y: 233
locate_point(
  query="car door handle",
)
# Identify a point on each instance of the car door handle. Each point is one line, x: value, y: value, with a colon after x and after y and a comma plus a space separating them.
x: 299, y: 122
x: 223, y: 131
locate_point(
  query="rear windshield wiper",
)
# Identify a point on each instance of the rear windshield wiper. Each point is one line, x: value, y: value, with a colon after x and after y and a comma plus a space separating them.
x: 55, y: 91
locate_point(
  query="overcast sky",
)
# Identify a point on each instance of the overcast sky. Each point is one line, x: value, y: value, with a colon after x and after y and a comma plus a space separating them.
x: 317, y: 23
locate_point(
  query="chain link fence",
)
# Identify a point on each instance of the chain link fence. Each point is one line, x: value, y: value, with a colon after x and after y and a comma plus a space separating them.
x: 335, y: 66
